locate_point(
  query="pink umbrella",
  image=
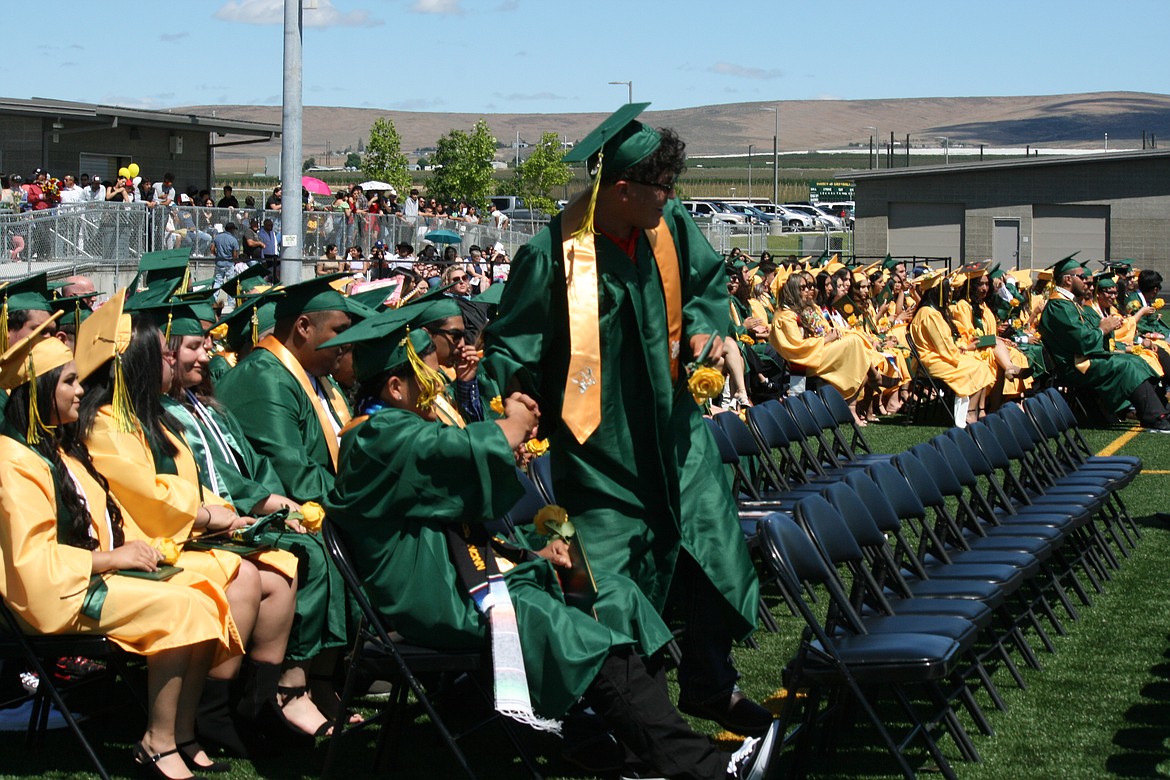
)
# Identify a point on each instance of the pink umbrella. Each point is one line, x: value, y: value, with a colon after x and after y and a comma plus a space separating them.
x: 315, y: 186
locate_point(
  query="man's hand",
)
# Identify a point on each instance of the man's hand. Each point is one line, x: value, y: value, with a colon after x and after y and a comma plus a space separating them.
x: 715, y: 355
x: 466, y: 363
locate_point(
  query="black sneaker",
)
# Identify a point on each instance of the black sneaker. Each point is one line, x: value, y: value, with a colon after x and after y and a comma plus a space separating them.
x: 754, y: 756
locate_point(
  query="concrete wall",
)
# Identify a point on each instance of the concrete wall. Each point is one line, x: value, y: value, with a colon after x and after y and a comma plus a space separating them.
x: 1136, y: 192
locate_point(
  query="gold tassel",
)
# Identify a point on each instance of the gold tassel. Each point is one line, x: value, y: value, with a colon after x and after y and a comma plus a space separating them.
x: 35, y: 424
x: 587, y: 224
x: 4, y: 325
x: 76, y: 317
x: 183, y: 288
x: 255, y: 327
x: 170, y: 318
x: 430, y: 381
x: 124, y: 418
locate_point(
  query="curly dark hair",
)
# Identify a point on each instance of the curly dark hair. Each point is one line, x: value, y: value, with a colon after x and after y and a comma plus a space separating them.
x: 64, y: 439
x: 669, y: 159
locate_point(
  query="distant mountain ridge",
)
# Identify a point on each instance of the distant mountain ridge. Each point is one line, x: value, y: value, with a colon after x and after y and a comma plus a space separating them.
x: 1077, y: 120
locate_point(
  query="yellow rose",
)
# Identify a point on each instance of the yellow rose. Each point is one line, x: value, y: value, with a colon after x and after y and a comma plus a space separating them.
x: 167, y: 549
x: 1015, y: 301
x: 219, y: 331
x: 1137, y: 349
x: 1017, y: 324
x: 884, y: 323
x: 1158, y: 303
x: 705, y: 383
x: 313, y: 516
x: 536, y: 447
x: 852, y: 320
x: 497, y: 405
x: 553, y: 520
x: 1133, y: 306
x: 746, y: 339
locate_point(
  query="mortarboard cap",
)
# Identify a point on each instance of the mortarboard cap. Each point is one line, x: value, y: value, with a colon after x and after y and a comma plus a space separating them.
x: 28, y: 294
x: 314, y: 295
x: 930, y: 279
x: 33, y: 356
x: 104, y: 334
x: 173, y: 318
x: 1104, y: 280
x: 622, y: 140
x: 75, y: 308
x: 1066, y: 266
x: 996, y: 272
x: 246, y: 281
x: 159, y: 269
x: 250, y: 319
x: 492, y: 295
x: 386, y: 342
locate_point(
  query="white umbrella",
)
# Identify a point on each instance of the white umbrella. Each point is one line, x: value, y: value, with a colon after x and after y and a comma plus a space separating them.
x: 378, y: 186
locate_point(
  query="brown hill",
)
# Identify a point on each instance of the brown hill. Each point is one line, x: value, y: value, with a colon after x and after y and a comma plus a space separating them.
x: 1049, y: 120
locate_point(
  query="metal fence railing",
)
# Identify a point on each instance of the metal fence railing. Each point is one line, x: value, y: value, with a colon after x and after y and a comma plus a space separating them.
x: 76, y: 233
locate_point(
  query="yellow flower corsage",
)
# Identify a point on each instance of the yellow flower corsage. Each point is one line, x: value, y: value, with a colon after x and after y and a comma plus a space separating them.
x: 553, y: 520
x: 219, y: 332
x: 497, y: 404
x: 167, y: 549
x: 1158, y: 303
x: 1133, y: 306
x: 313, y: 515
x: 746, y: 339
x: 536, y: 447
x: 705, y: 383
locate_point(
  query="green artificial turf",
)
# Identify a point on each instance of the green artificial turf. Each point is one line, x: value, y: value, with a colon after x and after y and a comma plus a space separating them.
x: 1099, y: 708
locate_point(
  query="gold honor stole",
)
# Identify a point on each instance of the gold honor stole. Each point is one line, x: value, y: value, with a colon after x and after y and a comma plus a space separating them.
x: 287, y: 360
x: 581, y: 410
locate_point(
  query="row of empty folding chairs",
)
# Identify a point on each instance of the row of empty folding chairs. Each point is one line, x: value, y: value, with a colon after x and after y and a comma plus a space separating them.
x: 927, y: 566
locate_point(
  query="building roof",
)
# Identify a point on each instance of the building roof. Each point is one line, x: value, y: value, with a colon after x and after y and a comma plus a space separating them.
x: 70, y: 113
x: 987, y: 165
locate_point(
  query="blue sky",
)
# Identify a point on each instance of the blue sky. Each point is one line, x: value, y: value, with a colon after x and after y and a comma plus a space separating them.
x: 551, y: 56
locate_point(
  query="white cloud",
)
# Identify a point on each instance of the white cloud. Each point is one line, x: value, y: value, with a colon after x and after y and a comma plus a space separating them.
x: 272, y: 12
x: 448, y: 7
x: 744, y: 72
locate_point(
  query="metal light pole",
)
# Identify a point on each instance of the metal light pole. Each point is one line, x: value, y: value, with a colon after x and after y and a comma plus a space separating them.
x: 946, y: 149
x: 775, y: 155
x: 629, y: 85
x: 750, y: 147
x: 291, y: 147
x: 875, y: 146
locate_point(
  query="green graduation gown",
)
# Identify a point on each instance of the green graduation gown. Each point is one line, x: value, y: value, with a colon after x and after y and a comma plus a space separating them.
x: 242, y: 478
x: 648, y: 482
x: 1082, y: 357
x: 279, y: 420
x: 401, y: 478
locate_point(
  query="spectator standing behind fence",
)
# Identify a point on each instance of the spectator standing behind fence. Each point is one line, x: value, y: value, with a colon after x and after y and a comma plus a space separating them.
x: 228, y: 201
x: 227, y: 251
x: 500, y: 220
x: 273, y: 201
x: 250, y: 244
x: 165, y: 193
x: 410, y: 207
x: 269, y: 253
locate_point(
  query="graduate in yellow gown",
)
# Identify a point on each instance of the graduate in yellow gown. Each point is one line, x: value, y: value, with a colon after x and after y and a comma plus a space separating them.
x: 66, y: 564
x: 974, y: 319
x: 153, y: 475
x: 942, y: 353
x: 806, y: 340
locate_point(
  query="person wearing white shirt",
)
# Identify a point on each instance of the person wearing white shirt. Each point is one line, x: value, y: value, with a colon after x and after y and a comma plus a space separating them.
x: 410, y: 207
x: 164, y: 193
x: 70, y: 192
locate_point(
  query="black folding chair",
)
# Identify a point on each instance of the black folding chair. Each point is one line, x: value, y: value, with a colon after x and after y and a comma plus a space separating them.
x: 377, y: 645
x: 35, y: 650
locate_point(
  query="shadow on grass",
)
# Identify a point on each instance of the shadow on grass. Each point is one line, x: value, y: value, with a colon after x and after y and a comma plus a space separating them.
x: 1143, y: 741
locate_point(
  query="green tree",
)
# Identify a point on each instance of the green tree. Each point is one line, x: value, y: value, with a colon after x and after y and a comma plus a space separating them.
x: 542, y: 172
x: 353, y: 160
x: 383, y: 159
x: 308, y: 163
x: 463, y: 166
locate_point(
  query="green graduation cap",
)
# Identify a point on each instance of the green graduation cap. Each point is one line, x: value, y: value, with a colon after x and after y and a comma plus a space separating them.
x: 996, y: 272
x: 202, y: 302
x: 823, y: 260
x: 161, y: 276
x: 1121, y: 266
x: 246, y: 281
x: 890, y: 262
x: 385, y: 342
x: 250, y: 318
x: 317, y: 294
x: 375, y: 297
x: 491, y: 296
x: 76, y: 309
x: 29, y: 294
x: 173, y: 318
x: 434, y: 310
x: 621, y: 139
x: 1104, y: 280
x: 1066, y: 266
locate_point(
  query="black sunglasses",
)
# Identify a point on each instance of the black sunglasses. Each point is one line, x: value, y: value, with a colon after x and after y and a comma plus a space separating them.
x: 455, y: 334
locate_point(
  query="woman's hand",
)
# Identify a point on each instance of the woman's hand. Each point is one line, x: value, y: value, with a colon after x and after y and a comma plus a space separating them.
x: 831, y: 335
x: 134, y: 556
x: 222, y: 518
x: 557, y: 553
x: 466, y: 363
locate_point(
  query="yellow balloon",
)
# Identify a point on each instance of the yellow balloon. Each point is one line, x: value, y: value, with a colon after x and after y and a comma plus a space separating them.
x: 133, y: 169
x: 124, y: 172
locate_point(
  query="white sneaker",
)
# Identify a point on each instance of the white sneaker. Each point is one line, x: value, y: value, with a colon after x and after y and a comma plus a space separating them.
x: 17, y: 718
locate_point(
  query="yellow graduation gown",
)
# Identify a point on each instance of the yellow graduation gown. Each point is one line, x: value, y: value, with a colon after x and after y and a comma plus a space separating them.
x: 842, y: 363
x: 45, y: 582
x: 964, y: 373
x: 963, y: 314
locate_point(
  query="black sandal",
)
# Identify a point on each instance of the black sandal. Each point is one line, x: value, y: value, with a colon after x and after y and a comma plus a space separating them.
x: 289, y: 695
x: 189, y: 758
x: 148, y: 763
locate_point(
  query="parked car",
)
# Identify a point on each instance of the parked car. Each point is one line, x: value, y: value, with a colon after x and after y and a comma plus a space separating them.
x: 752, y: 214
x: 713, y: 210
x: 795, y: 220
x: 844, y: 210
x: 832, y: 217
x: 821, y: 218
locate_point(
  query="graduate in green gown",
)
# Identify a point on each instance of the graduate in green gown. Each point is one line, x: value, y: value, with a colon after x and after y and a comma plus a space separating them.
x: 410, y: 500
x: 632, y: 460
x: 282, y: 395
x: 1082, y: 357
